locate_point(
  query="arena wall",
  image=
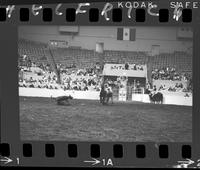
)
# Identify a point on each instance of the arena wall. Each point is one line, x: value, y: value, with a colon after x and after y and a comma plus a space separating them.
x: 93, y: 95
x: 36, y: 92
x: 145, y: 37
x: 168, y: 99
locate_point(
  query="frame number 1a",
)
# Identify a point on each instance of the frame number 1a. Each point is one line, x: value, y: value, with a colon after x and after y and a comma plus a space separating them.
x: 107, y: 162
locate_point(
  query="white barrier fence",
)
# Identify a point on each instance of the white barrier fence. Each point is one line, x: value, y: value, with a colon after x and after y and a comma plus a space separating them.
x: 94, y: 95
x: 36, y: 92
x: 168, y: 99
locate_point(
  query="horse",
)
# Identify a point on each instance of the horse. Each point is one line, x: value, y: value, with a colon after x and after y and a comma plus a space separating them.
x: 156, y: 98
x: 105, y: 95
x: 64, y: 100
x: 109, y: 95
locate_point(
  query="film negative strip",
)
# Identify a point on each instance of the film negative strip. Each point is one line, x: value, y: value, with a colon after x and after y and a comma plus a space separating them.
x: 100, y: 84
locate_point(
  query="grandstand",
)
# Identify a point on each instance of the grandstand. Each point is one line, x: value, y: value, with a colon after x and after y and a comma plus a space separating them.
x: 86, y: 58
x: 179, y: 60
x: 35, y: 50
x: 75, y: 57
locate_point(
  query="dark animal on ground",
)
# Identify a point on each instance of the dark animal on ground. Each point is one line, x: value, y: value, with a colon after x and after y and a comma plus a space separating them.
x: 64, y: 100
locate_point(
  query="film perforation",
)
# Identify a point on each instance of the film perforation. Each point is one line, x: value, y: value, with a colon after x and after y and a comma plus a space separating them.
x: 140, y: 15
x: 140, y: 151
x: 2, y: 14
x: 49, y: 150
x: 27, y: 150
x: 47, y: 14
x: 24, y: 14
x: 5, y: 149
x: 187, y: 15
x: 163, y: 151
x: 117, y: 150
x: 163, y: 15
x: 94, y: 15
x: 95, y: 150
x: 186, y: 151
x: 72, y: 150
x: 70, y: 14
x: 117, y: 15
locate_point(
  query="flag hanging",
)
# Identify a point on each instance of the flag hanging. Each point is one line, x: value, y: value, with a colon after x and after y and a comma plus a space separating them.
x: 126, y: 34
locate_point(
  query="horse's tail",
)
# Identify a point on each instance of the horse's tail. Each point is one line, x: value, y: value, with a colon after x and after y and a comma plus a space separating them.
x: 162, y: 98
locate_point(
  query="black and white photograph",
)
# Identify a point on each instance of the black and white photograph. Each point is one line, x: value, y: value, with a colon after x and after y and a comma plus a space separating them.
x: 105, y: 83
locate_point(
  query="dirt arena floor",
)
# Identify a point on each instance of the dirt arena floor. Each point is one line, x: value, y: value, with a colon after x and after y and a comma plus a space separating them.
x: 87, y: 120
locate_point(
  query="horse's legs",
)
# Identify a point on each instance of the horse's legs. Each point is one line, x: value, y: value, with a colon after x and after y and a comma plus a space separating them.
x: 107, y: 99
x: 112, y: 99
x: 101, y: 99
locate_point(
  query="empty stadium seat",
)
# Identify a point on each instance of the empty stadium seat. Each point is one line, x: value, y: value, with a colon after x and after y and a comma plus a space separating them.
x: 84, y: 58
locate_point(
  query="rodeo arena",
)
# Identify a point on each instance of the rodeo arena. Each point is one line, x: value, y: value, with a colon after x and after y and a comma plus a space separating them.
x: 106, y: 83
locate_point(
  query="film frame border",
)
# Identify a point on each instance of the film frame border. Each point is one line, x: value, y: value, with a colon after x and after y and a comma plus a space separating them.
x: 106, y: 148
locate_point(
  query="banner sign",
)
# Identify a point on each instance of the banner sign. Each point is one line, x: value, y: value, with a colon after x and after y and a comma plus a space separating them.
x: 130, y: 71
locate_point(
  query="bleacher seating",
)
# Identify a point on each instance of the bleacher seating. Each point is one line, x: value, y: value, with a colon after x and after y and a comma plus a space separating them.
x: 80, y: 57
x: 67, y: 56
x: 181, y: 61
x: 83, y: 58
x: 35, y: 50
x: 125, y: 56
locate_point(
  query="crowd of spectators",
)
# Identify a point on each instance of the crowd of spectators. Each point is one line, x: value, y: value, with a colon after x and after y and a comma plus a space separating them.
x: 178, y: 87
x: 71, y: 78
x: 81, y: 79
x: 134, y: 66
x: 169, y: 74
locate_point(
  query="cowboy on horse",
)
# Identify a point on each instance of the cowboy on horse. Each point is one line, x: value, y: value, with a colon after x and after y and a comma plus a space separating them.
x: 109, y: 94
x: 102, y: 95
x: 155, y: 96
x: 106, y: 93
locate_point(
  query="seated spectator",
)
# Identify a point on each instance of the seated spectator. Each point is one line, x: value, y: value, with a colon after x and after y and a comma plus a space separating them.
x: 186, y: 95
x: 126, y: 66
x: 147, y: 91
x: 160, y: 88
x: 154, y: 88
x: 168, y: 74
